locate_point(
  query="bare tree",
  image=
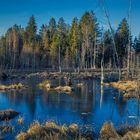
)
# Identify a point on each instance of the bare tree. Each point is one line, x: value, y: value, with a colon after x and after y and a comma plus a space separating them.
x: 129, y: 43
x: 102, y: 3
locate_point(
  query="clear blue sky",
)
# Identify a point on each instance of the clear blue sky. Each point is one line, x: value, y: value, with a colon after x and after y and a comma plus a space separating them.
x: 18, y: 11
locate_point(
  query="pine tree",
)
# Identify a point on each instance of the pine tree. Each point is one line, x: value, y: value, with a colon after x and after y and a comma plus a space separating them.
x: 52, y: 27
x: 73, y: 41
x: 122, y: 39
x: 54, y: 50
x: 31, y: 30
x: 63, y: 40
x: 89, y: 34
x: 44, y: 45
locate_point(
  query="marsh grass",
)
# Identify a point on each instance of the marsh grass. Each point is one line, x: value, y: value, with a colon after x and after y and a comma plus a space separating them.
x: 125, y: 86
x: 12, y: 87
x: 6, y: 129
x: 65, y: 89
x: 20, y: 120
x: 44, y: 83
x: 51, y: 131
x: 108, y: 132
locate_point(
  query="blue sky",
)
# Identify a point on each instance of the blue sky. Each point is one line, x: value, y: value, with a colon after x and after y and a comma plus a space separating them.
x: 18, y: 12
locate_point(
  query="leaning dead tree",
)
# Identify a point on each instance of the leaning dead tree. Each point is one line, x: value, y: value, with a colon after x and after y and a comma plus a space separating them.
x: 129, y: 43
x: 115, y: 55
x: 102, y: 64
x: 102, y: 75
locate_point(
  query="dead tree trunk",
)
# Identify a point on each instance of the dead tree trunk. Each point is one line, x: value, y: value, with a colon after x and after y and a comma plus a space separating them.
x: 129, y: 44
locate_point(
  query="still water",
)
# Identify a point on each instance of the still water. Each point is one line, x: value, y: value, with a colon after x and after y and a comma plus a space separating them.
x: 89, y: 105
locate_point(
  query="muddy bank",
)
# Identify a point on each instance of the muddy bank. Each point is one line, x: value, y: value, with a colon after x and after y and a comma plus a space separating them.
x: 83, y: 74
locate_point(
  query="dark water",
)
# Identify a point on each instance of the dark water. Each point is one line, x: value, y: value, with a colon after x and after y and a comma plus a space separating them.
x: 89, y: 105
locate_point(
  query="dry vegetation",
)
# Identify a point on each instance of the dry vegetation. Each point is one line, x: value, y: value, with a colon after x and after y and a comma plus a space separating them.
x: 12, y: 87
x: 45, y: 85
x: 65, y: 89
x: 60, y: 89
x: 51, y: 131
x: 108, y: 132
x: 125, y: 86
x: 20, y: 120
x: 129, y: 88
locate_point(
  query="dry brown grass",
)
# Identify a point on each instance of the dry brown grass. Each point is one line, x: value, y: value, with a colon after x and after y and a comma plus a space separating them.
x: 45, y: 84
x: 129, y: 88
x: 80, y: 85
x: 66, y: 89
x: 20, y: 120
x: 34, y: 129
x: 22, y: 136
x: 109, y: 133
x: 51, y: 131
x: 125, y: 86
x: 11, y: 87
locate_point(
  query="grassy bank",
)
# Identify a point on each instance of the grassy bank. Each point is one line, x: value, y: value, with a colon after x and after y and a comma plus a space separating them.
x: 52, y: 131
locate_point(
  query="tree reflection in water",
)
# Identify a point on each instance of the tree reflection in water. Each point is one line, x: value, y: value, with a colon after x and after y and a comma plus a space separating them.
x: 88, y: 104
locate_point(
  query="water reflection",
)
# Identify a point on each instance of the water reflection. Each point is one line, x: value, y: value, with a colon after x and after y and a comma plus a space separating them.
x: 101, y: 98
x: 89, y: 104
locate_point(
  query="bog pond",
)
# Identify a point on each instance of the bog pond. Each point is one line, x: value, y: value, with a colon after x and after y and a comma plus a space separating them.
x: 89, y: 105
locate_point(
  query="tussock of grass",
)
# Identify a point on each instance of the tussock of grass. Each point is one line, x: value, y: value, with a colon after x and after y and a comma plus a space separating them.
x: 80, y: 85
x: 132, y: 135
x: 66, y: 89
x: 51, y: 131
x: 73, y: 127
x: 125, y: 86
x: 129, y: 88
x: 20, y: 120
x: 12, y: 87
x: 22, y: 136
x: 6, y: 129
x: 109, y: 133
x: 45, y: 84
x: 51, y: 125
x: 34, y: 129
x: 130, y: 95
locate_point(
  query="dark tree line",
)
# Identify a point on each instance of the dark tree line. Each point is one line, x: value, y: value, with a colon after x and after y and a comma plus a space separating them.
x: 59, y: 45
